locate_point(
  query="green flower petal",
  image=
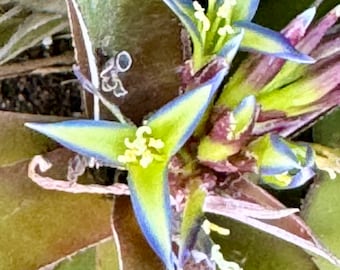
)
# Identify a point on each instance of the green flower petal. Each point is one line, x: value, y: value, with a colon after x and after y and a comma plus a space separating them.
x: 261, y: 39
x: 102, y: 140
x: 150, y: 201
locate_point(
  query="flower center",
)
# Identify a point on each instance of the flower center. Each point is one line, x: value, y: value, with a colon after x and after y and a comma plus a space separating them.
x: 143, y: 150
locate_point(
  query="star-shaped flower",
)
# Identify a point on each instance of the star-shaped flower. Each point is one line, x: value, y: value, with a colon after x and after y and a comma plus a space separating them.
x: 144, y: 152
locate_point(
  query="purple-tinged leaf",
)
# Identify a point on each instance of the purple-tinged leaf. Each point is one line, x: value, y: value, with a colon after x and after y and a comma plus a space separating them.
x: 297, y: 28
x: 258, y: 70
x: 330, y: 46
x: 317, y: 87
x: 314, y: 36
x: 292, y: 71
x: 266, y: 41
x: 231, y: 130
x: 284, y: 126
x: 102, y: 140
x: 244, y: 10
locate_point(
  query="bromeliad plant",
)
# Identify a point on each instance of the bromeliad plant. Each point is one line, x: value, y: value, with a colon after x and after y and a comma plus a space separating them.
x: 213, y: 32
x: 186, y: 159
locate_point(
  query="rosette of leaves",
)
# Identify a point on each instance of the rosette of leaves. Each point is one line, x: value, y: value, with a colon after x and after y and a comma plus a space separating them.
x: 146, y: 150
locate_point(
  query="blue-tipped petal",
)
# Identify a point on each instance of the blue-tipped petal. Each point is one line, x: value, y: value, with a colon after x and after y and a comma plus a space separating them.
x: 303, y: 176
x: 150, y: 201
x: 103, y: 140
x: 273, y: 155
x: 176, y: 121
x: 230, y: 49
x: 244, y: 10
x: 264, y: 40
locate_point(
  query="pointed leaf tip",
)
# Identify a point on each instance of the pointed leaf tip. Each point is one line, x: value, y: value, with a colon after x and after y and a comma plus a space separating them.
x: 266, y: 41
x: 103, y: 140
x: 230, y: 49
x: 307, y: 16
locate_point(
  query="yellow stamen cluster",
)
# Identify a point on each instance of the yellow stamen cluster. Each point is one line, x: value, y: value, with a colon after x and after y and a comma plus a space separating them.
x: 200, y: 15
x: 207, y: 227
x: 143, y: 150
x: 227, y: 29
x: 224, y: 12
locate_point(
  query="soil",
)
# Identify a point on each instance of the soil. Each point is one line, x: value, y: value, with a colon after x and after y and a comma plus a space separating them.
x: 55, y: 94
x: 51, y: 94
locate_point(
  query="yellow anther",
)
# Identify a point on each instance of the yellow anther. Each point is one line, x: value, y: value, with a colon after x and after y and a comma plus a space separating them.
x: 200, y: 15
x: 227, y: 29
x: 143, y: 130
x: 157, y: 144
x: 217, y: 257
x: 207, y: 227
x: 147, y: 158
x: 197, y: 6
x: 225, y: 9
x: 129, y: 156
x: 143, y: 150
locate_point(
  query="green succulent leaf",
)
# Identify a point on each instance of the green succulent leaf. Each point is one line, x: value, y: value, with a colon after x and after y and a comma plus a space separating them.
x: 102, y: 140
x: 261, y: 39
x: 321, y: 212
